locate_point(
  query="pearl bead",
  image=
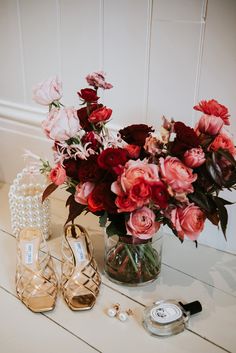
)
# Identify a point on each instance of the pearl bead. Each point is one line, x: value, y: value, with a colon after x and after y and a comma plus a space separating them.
x: 111, y: 312
x: 122, y: 316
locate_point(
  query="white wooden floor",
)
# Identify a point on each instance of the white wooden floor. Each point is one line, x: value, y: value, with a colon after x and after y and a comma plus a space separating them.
x: 187, y: 274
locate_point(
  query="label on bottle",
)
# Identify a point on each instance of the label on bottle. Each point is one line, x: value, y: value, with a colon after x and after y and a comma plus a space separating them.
x: 79, y: 252
x: 29, y: 250
x: 164, y: 313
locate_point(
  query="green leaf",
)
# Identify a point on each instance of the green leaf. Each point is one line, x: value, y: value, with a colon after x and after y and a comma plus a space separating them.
x: 225, y: 202
x: 71, y: 189
x: 69, y: 200
x: 103, y: 220
x: 75, y: 209
x: 223, y: 214
x: 202, y: 200
x: 49, y: 189
x: 214, y: 171
x: 112, y: 229
x: 227, y: 155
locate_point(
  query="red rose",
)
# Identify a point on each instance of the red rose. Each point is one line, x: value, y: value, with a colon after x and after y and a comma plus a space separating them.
x: 93, y: 139
x: 71, y: 168
x: 125, y: 204
x: 140, y: 192
x: 112, y: 157
x: 186, y: 138
x: 212, y: 107
x: 88, y: 95
x: 133, y: 151
x: 89, y: 170
x: 159, y: 194
x: 101, y: 198
x: 99, y: 115
x: 136, y: 134
x: 83, y: 116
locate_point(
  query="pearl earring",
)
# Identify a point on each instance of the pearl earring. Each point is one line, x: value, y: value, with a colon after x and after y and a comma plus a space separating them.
x: 123, y: 315
x: 114, y: 310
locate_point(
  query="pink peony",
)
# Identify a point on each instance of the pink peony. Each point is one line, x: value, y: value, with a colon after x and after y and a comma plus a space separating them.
x: 176, y: 175
x: 58, y: 174
x: 209, y: 124
x: 48, y: 91
x: 212, y: 107
x: 97, y: 79
x: 82, y: 192
x: 188, y: 221
x: 194, y: 158
x: 61, y: 124
x: 142, y: 224
x: 223, y: 141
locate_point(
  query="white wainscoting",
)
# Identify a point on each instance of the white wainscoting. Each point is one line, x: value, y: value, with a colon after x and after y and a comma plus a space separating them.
x: 162, y: 57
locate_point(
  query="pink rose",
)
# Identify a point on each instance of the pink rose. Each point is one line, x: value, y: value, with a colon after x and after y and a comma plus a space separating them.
x: 97, y: 79
x: 61, y: 124
x: 83, y: 191
x: 58, y: 175
x: 48, y: 91
x: 142, y: 224
x: 100, y: 115
x: 194, y: 158
x: 176, y: 175
x: 137, y: 169
x: 209, y: 124
x: 188, y: 221
x: 223, y: 141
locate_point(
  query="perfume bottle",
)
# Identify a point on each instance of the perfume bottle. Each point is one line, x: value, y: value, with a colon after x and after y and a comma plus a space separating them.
x: 169, y: 317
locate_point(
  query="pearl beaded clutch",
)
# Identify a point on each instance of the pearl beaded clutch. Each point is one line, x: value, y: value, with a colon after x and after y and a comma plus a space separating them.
x: 25, y: 200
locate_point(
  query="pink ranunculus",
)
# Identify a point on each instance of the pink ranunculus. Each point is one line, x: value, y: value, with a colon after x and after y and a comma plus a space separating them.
x: 82, y: 192
x: 223, y: 141
x: 188, y: 221
x: 176, y: 175
x: 142, y: 224
x: 100, y: 115
x: 58, y: 175
x: 97, y: 79
x: 48, y: 91
x: 212, y: 107
x: 61, y: 124
x: 138, y: 169
x: 194, y: 157
x: 209, y: 124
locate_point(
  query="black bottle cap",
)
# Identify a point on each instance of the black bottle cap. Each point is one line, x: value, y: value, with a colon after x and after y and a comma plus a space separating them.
x: 193, y: 308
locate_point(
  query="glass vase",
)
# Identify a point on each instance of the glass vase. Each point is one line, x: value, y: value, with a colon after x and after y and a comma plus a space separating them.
x: 132, y: 261
x: 25, y: 201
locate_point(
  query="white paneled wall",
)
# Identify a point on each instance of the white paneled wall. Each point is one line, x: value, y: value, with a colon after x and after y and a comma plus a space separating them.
x: 162, y: 56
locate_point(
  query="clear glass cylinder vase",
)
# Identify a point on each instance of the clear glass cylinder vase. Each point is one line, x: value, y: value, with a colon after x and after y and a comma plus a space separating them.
x: 133, y: 262
x: 25, y: 201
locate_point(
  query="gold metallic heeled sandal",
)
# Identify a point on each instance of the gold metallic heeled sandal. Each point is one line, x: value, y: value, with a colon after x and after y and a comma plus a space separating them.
x: 36, y: 282
x: 80, y: 280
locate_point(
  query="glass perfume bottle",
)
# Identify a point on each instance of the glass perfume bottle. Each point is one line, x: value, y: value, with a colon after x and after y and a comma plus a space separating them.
x: 25, y: 200
x: 169, y: 317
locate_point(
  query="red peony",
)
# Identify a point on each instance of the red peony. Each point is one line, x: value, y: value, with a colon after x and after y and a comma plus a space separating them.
x: 112, y: 157
x: 88, y: 95
x: 212, y: 107
x: 89, y: 170
x: 101, y: 198
x: 186, y: 138
x: 136, y: 134
x: 100, y: 115
x: 160, y: 195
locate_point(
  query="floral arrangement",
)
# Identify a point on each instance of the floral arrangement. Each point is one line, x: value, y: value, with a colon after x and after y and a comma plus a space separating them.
x: 139, y: 180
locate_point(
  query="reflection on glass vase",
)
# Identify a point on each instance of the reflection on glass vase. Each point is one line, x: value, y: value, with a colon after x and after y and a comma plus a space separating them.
x: 25, y: 201
x: 133, y: 262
